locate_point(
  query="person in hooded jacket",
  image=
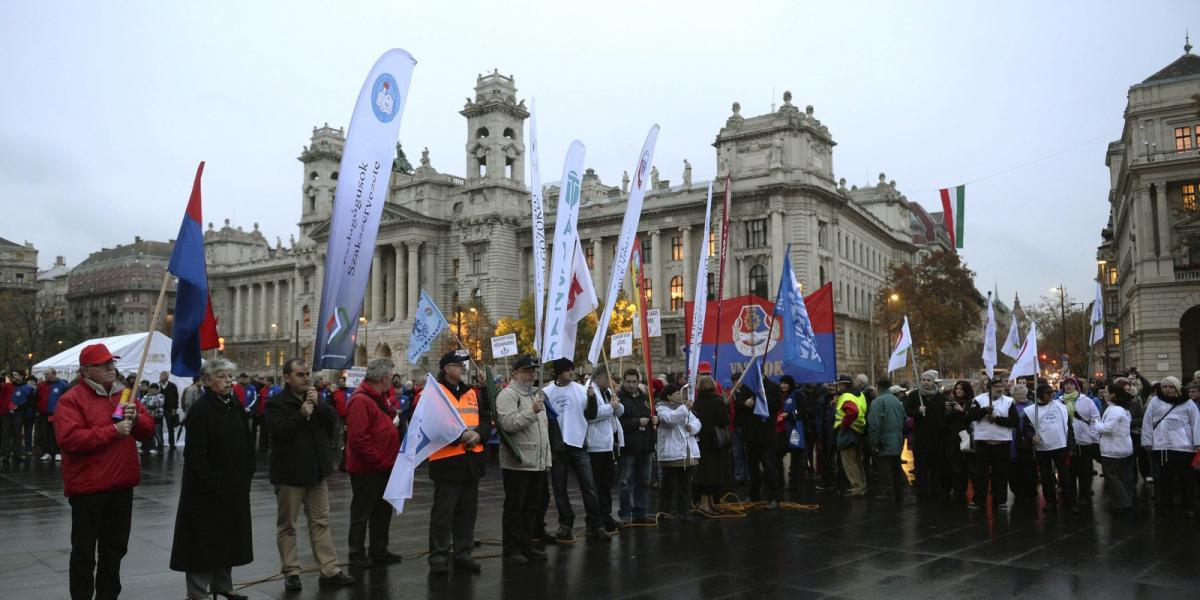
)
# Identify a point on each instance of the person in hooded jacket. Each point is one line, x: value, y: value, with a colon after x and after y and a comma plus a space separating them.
x: 1022, y: 479
x: 927, y: 407
x: 604, y: 441
x: 1171, y: 434
x: 1083, y: 411
x: 677, y: 452
x: 1116, y: 448
x: 1048, y: 422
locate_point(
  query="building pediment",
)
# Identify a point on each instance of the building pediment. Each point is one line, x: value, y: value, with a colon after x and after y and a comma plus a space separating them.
x: 393, y: 215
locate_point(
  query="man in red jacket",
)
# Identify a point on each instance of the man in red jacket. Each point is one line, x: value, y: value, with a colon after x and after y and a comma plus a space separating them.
x: 372, y: 443
x: 100, y: 469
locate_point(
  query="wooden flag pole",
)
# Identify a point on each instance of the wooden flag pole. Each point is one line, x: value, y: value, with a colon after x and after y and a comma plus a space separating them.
x: 162, y: 294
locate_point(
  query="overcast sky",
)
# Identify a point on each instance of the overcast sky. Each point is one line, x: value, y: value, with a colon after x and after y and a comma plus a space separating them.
x: 106, y: 109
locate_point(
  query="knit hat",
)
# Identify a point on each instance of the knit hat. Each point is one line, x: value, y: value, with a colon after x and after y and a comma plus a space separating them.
x: 561, y: 365
x: 1171, y: 380
x: 931, y: 374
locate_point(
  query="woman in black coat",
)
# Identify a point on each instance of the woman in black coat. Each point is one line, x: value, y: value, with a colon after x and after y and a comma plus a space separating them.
x: 212, y: 526
x: 715, y: 472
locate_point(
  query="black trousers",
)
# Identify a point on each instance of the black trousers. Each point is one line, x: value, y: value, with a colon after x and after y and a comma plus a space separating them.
x: 523, y: 492
x: 890, y: 466
x: 46, y: 440
x: 575, y: 460
x: 604, y: 473
x: 368, y: 510
x: 262, y: 432
x: 675, y: 493
x: 1174, y: 475
x: 171, y: 422
x: 1022, y: 478
x: 1050, y: 462
x: 1082, y: 464
x: 763, y: 461
x: 455, y: 505
x: 1115, y: 470
x: 929, y: 473
x: 99, y: 527
x: 992, y: 463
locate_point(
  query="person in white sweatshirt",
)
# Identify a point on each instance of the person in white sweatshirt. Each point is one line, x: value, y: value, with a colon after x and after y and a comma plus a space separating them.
x: 1049, y: 422
x: 605, y: 437
x: 1083, y: 410
x: 1116, y: 447
x: 994, y: 416
x: 678, y: 451
x: 1171, y: 432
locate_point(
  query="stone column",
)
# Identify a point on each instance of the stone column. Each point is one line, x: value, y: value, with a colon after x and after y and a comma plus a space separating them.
x: 598, y: 267
x: 264, y: 327
x: 248, y: 329
x: 237, y: 311
x: 1163, y: 219
x: 376, y: 286
x: 689, y: 264
x: 401, y: 294
x: 777, y: 250
x: 1145, y: 222
x: 661, y: 296
x: 276, y: 309
x: 414, y: 281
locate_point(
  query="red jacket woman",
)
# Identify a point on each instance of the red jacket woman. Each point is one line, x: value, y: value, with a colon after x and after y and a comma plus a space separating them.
x: 372, y: 440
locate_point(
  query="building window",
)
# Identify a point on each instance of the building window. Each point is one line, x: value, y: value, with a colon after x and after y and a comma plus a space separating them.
x: 647, y: 285
x: 1189, y: 196
x: 281, y: 359
x: 307, y: 317
x: 823, y: 235
x: 647, y: 247
x: 1112, y: 276
x: 1183, y: 139
x: 589, y: 254
x: 677, y: 247
x: 758, y: 281
x: 756, y: 233
x: 267, y: 359
x: 671, y: 343
x: 1116, y: 336
x: 677, y: 292
x: 454, y: 268
x: 307, y: 284
x: 712, y: 244
x: 476, y: 262
x: 712, y: 286
x: 821, y: 272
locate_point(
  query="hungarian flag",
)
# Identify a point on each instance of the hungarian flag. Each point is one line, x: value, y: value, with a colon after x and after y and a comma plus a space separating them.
x: 195, y: 326
x: 953, y: 215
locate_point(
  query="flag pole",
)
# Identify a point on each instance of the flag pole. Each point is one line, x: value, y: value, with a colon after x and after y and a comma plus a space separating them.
x: 162, y: 294
x: 766, y: 343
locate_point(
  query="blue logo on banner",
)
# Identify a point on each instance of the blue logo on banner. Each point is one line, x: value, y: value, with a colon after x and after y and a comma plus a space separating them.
x: 385, y: 98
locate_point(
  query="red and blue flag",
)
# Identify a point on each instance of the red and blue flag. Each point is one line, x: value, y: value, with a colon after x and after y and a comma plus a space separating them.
x: 195, y: 326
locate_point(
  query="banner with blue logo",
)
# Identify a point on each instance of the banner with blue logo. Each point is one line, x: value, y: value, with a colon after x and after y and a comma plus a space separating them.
x: 428, y: 323
x: 798, y: 348
x: 362, y: 189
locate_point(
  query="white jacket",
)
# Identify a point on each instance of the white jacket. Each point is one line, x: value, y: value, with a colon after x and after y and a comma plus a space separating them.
x: 1178, y: 429
x: 1113, y: 430
x: 568, y: 402
x: 1085, y: 413
x: 1050, y: 424
x: 677, y: 429
x: 992, y: 432
x: 600, y: 430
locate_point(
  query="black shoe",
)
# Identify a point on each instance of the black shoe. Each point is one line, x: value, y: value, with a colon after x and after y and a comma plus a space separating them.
x: 292, y: 583
x: 339, y: 579
x: 611, y: 525
x: 564, y: 534
x: 534, y: 553
x: 386, y: 558
x: 516, y: 559
x: 360, y: 562
x: 543, y: 536
x: 439, y: 568
x: 230, y: 596
x: 469, y: 564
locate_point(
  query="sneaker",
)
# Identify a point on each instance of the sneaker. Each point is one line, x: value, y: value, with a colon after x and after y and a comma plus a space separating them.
x: 339, y: 579
x: 46, y: 457
x: 57, y: 457
x: 154, y: 453
x: 292, y: 583
x: 564, y: 534
x: 543, y: 536
x: 611, y: 525
x: 599, y: 534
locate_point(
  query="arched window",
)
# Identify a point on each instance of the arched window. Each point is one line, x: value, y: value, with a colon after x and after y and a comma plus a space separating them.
x: 313, y: 176
x: 477, y: 293
x: 457, y: 208
x: 334, y: 176
x: 822, y: 271
x: 482, y: 132
x: 649, y: 287
x: 307, y: 316
x: 677, y: 292
x: 758, y: 281
x: 509, y: 133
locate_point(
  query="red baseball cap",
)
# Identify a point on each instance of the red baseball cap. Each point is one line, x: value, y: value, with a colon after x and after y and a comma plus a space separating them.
x: 704, y: 368
x: 95, y: 354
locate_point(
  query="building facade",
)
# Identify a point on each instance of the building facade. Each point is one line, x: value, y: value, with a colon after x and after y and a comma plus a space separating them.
x: 113, y: 291
x: 467, y: 241
x: 18, y: 267
x: 52, y: 288
x: 1149, y: 258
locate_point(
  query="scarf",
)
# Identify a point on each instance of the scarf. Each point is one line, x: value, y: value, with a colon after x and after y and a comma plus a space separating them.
x: 1069, y: 400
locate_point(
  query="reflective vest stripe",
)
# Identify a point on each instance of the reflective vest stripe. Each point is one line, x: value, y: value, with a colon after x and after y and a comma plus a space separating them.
x: 468, y: 409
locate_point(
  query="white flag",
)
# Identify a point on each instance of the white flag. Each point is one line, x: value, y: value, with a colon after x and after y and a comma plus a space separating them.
x: 1012, y: 343
x: 581, y: 299
x: 900, y: 354
x: 633, y: 213
x: 539, y: 231
x: 1098, y: 316
x: 435, y: 423
x: 1027, y: 359
x: 565, y: 241
x: 989, y: 340
x: 700, y: 305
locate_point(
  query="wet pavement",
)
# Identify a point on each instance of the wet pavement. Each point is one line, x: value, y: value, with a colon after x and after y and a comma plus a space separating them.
x: 845, y: 549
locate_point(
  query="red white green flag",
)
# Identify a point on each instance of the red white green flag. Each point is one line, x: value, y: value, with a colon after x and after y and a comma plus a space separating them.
x: 953, y: 215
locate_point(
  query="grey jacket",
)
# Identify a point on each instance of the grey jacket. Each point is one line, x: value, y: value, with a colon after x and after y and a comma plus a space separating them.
x: 526, y: 429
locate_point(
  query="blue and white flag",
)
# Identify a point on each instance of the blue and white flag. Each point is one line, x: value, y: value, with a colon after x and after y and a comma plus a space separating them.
x: 754, y: 382
x: 428, y: 323
x: 799, y: 344
x: 435, y: 423
x: 366, y: 170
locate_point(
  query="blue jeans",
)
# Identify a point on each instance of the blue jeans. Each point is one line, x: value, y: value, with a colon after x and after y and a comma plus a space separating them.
x: 635, y: 485
x: 577, y: 460
x: 739, y: 457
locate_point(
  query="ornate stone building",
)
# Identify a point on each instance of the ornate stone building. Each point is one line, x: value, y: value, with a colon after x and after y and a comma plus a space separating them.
x: 467, y: 240
x: 18, y: 267
x: 113, y: 291
x: 1149, y: 256
x: 52, y: 287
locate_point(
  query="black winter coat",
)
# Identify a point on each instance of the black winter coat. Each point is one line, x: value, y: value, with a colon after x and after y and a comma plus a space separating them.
x: 716, y: 464
x: 212, y: 525
x: 929, y: 430
x: 638, y: 439
x: 756, y: 429
x: 299, y: 446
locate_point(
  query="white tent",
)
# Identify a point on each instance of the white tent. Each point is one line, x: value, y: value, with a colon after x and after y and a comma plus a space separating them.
x: 128, y: 348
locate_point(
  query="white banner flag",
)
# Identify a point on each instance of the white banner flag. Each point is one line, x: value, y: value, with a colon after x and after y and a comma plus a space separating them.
x: 581, y: 299
x: 1027, y: 358
x: 435, y: 423
x: 633, y: 213
x: 900, y: 354
x: 622, y: 345
x: 357, y: 205
x: 504, y: 345
x: 989, y: 340
x: 1012, y: 344
x: 565, y: 240
x: 700, y: 305
x: 1098, y: 316
x: 539, y: 231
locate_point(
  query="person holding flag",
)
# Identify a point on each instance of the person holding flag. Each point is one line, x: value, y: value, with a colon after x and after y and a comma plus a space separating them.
x: 994, y: 416
x: 573, y: 406
x: 757, y: 401
x: 521, y: 412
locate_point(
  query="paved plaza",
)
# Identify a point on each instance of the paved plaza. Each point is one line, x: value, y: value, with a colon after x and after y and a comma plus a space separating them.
x: 845, y: 549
